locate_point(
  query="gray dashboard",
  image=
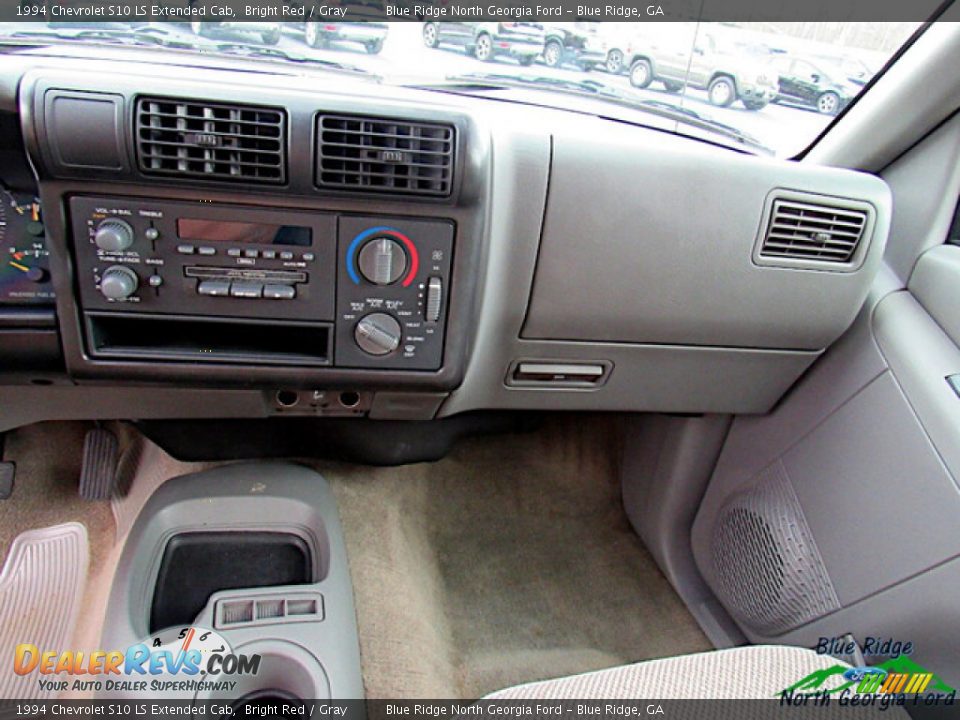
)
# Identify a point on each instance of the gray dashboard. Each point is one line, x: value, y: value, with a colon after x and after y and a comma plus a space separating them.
x: 592, y: 264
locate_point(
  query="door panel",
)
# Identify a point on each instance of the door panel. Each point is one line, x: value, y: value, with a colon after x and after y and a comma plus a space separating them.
x: 457, y: 33
x: 672, y: 48
x: 851, y: 486
x: 934, y: 285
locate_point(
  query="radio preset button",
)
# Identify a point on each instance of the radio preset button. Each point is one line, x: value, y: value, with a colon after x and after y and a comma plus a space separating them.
x: 186, y: 249
x: 246, y: 289
x: 251, y: 253
x: 233, y: 252
x: 269, y: 254
x: 206, y: 250
x: 213, y: 288
x: 309, y: 257
x: 279, y: 292
x: 286, y: 255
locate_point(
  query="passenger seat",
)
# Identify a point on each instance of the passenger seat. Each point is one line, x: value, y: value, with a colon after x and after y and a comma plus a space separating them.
x: 757, y: 671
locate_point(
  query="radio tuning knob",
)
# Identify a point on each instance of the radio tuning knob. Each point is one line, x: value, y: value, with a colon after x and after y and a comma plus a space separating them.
x: 382, y: 261
x: 118, y: 282
x: 113, y: 235
x: 378, y: 334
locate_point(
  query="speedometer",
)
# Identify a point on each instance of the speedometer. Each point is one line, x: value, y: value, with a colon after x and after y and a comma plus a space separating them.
x: 24, y: 257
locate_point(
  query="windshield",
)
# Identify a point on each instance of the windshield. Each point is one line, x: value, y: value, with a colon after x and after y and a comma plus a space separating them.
x: 767, y: 88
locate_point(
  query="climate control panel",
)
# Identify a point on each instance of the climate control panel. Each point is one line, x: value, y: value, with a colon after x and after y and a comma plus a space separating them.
x: 392, y: 291
x: 375, y: 287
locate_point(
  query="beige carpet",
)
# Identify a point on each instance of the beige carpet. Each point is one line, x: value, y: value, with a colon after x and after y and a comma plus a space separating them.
x: 509, y: 561
x: 48, y: 457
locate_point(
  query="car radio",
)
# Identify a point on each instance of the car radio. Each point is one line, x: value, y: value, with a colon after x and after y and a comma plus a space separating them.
x: 373, y: 289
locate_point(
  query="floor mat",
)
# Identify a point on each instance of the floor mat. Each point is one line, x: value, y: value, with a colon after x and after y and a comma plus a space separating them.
x: 41, y: 587
x: 48, y: 458
x: 509, y: 561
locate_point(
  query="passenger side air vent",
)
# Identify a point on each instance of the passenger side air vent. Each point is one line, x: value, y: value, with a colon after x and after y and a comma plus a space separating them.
x: 212, y: 141
x: 381, y: 155
x: 813, y: 232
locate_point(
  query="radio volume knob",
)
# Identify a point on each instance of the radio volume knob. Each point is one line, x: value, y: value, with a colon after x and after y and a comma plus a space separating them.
x: 118, y: 282
x: 382, y: 261
x: 378, y: 334
x: 113, y: 235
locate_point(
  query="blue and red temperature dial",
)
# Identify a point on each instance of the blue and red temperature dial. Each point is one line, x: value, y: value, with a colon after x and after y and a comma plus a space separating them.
x: 383, y: 256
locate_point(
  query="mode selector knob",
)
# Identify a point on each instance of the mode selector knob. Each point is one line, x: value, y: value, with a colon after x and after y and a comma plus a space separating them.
x: 378, y: 334
x: 118, y: 282
x: 382, y: 261
x: 113, y: 235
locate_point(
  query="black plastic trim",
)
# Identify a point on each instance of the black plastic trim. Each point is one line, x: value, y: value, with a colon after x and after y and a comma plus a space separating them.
x: 467, y: 208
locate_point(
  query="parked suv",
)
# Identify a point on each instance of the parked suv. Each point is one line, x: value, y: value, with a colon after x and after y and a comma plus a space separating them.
x: 488, y: 40
x: 576, y: 44
x: 727, y: 73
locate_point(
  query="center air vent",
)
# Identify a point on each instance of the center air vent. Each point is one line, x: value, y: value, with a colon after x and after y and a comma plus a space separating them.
x: 213, y: 141
x: 386, y: 156
x: 813, y: 232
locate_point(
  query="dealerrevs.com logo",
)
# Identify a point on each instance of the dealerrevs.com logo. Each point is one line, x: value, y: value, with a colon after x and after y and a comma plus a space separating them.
x: 177, y: 660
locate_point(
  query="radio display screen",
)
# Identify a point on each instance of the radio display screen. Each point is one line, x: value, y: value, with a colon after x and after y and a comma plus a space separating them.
x: 242, y: 232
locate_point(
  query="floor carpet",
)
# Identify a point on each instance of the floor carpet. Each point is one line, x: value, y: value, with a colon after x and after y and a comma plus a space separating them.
x: 509, y: 561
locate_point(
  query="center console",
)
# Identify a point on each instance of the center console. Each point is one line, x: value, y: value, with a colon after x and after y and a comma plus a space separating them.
x: 217, y: 283
x: 245, y: 567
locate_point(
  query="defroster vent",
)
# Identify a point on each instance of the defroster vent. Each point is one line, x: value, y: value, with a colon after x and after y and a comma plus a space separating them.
x: 811, y: 231
x: 213, y: 141
x: 383, y: 155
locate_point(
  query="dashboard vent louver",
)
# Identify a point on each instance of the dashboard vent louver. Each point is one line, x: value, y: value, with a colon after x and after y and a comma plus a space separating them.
x: 383, y: 155
x: 212, y: 141
x: 813, y: 231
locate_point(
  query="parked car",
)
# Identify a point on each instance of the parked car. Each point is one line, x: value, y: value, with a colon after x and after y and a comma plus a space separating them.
x: 371, y: 35
x: 486, y: 41
x: 269, y: 32
x: 852, y: 69
x: 614, y: 39
x: 728, y: 72
x: 817, y: 85
x: 575, y: 44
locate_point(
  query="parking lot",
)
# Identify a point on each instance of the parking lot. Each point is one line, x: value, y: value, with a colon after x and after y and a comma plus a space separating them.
x: 786, y: 130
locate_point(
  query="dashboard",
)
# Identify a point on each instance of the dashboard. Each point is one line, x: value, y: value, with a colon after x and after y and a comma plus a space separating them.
x: 301, y: 244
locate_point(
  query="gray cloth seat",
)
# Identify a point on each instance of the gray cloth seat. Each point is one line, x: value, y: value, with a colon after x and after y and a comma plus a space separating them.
x: 757, y: 671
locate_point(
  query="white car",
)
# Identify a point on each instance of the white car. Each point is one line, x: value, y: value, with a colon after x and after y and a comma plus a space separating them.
x: 269, y: 32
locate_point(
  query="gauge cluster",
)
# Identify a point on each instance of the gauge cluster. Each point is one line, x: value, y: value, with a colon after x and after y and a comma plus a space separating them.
x: 24, y: 256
